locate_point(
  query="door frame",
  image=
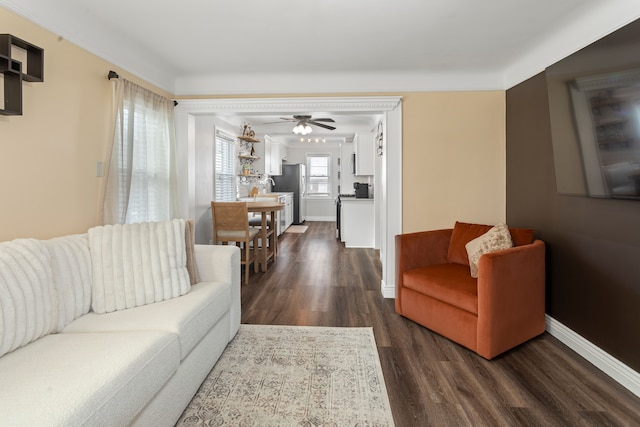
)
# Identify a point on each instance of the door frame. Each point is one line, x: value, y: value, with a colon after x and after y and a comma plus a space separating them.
x: 389, y: 208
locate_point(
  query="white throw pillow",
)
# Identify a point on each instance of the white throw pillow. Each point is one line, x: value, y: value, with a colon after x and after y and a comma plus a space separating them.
x: 71, y: 265
x: 495, y: 239
x: 28, y: 297
x: 137, y: 264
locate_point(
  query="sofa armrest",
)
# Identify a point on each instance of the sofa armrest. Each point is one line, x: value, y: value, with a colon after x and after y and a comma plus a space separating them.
x: 511, y: 297
x: 221, y: 263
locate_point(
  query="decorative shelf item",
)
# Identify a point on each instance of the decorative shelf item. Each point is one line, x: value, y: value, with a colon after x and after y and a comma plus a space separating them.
x: 247, y: 152
x: 14, y: 71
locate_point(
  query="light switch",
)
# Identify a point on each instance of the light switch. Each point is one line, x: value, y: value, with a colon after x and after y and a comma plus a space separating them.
x: 99, y: 168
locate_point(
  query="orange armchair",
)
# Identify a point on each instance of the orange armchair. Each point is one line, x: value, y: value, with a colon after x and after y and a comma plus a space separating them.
x: 502, y: 308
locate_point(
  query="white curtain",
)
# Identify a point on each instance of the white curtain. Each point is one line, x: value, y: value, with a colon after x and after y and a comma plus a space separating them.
x: 141, y: 182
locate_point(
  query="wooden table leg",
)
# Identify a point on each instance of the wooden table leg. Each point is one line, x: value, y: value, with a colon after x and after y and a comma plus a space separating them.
x: 263, y: 241
x: 274, y: 226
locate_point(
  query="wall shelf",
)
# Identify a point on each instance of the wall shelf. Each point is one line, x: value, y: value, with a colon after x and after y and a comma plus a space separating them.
x: 15, y: 72
x: 12, y: 72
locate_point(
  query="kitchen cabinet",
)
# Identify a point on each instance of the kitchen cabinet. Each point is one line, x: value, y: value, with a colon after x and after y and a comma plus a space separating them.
x: 364, y: 147
x: 266, y: 167
x: 285, y: 216
x: 357, y: 223
x: 277, y: 154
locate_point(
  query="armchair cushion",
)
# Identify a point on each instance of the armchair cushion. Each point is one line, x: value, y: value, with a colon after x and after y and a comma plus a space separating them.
x: 450, y: 283
x: 464, y: 232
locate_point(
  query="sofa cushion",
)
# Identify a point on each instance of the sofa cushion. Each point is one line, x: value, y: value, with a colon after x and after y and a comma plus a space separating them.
x: 449, y: 283
x: 464, y: 232
x: 71, y: 265
x: 190, y: 317
x: 27, y: 295
x: 85, y: 379
x: 493, y: 240
x: 137, y: 264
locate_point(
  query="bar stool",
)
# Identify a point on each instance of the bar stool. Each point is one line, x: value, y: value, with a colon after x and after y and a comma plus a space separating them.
x: 256, y: 220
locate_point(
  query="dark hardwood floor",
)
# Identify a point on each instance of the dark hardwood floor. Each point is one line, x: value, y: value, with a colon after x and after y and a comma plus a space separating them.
x: 431, y: 381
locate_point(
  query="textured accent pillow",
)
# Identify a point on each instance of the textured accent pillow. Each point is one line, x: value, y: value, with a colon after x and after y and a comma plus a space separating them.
x: 71, y: 266
x: 495, y: 239
x: 28, y: 298
x: 137, y: 264
x: 190, y: 241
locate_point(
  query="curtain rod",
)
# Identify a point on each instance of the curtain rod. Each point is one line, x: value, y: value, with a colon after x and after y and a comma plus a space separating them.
x: 113, y: 75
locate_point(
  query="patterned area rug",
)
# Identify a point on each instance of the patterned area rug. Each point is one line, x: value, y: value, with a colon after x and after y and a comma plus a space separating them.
x: 296, y: 229
x: 294, y: 376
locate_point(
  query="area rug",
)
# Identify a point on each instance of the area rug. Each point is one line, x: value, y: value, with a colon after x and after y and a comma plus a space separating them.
x: 296, y: 229
x: 294, y: 376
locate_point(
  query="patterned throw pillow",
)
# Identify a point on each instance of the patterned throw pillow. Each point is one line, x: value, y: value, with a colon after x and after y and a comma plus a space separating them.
x: 493, y: 240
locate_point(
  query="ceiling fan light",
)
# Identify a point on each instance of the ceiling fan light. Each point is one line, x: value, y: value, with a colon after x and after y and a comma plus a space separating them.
x: 307, y: 129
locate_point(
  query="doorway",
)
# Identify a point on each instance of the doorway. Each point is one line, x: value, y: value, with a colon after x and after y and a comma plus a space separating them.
x: 389, y: 205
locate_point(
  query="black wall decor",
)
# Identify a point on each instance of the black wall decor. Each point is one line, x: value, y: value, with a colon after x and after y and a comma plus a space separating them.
x: 14, y: 72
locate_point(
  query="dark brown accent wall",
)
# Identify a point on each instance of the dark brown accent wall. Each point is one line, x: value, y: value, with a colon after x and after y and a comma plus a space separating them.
x: 593, y: 245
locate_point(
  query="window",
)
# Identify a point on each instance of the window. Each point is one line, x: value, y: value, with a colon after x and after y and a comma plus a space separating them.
x: 225, y: 169
x: 319, y: 180
x: 141, y: 182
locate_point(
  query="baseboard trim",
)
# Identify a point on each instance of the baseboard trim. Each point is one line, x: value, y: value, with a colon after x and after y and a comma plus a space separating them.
x: 387, y: 291
x: 320, y: 218
x: 621, y: 373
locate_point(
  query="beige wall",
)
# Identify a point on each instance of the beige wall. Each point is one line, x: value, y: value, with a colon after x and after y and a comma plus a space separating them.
x: 48, y: 155
x: 453, y: 159
x: 453, y: 153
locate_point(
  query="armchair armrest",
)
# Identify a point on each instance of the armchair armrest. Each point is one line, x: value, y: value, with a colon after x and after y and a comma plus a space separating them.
x: 414, y: 250
x: 511, y: 297
x: 421, y: 249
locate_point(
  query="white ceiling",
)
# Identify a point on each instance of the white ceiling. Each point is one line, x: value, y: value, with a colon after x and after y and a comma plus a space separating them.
x: 280, y: 130
x: 211, y: 47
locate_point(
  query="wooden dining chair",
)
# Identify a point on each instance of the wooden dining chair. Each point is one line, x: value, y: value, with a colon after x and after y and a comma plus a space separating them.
x: 231, y: 224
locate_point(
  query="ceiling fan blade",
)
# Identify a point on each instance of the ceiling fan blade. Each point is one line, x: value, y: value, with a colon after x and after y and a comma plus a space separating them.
x: 286, y: 119
x: 312, y: 122
x: 324, y: 119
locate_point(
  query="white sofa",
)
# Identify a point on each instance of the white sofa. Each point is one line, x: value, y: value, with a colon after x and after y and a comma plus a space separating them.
x: 63, y: 364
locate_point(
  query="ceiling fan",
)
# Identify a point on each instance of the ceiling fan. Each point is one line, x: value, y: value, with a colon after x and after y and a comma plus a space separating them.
x: 303, y: 121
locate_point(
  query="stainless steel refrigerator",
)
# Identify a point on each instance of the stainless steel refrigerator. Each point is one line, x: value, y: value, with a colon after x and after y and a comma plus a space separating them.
x: 293, y: 179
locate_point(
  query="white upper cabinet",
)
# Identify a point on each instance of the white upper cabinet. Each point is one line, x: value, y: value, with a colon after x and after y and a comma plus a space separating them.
x: 267, y: 154
x: 277, y: 154
x: 364, y: 148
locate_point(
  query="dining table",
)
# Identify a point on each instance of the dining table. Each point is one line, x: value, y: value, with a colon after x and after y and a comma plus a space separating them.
x: 268, y: 233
